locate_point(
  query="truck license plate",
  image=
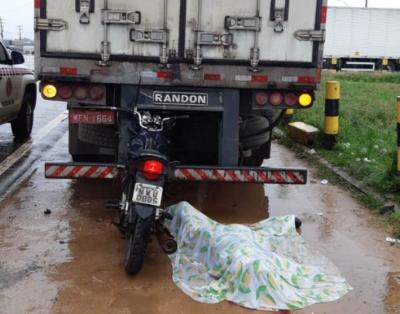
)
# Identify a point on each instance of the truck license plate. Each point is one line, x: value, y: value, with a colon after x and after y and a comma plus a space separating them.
x: 77, y: 116
x: 147, y: 194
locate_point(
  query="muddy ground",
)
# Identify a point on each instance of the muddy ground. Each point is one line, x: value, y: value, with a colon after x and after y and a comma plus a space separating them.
x: 70, y: 261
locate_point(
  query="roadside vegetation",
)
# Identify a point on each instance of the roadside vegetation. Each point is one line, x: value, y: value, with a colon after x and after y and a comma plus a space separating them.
x: 367, y: 143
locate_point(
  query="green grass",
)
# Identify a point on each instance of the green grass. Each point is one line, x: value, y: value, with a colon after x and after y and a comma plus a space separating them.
x: 367, y: 142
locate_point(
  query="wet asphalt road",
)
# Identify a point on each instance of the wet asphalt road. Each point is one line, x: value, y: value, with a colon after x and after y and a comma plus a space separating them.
x: 70, y: 261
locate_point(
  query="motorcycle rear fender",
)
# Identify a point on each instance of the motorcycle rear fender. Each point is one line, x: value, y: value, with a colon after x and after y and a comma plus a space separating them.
x: 144, y: 211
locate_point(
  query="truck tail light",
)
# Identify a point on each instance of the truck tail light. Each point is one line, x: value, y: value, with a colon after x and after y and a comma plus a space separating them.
x: 291, y: 99
x: 49, y: 91
x: 276, y: 99
x: 81, y: 93
x: 96, y: 92
x: 65, y: 92
x: 262, y: 98
x: 153, y: 169
x: 305, y: 100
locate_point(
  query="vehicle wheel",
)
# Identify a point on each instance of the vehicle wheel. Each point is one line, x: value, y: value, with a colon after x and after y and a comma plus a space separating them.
x: 22, y: 126
x: 258, y: 156
x: 391, y: 67
x: 137, y: 242
x: 255, y: 141
x: 253, y: 125
x: 103, y: 136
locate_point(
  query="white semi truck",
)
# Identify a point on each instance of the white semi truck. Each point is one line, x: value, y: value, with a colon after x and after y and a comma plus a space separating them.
x: 362, y: 39
x: 175, y: 90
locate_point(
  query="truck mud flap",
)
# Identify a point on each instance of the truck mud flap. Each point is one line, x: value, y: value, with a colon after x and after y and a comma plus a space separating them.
x: 257, y: 175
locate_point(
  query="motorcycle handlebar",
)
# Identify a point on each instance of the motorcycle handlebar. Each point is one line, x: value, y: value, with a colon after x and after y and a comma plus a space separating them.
x: 136, y: 113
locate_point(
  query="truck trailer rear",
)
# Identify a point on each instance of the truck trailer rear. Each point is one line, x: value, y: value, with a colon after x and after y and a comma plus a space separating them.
x: 175, y: 90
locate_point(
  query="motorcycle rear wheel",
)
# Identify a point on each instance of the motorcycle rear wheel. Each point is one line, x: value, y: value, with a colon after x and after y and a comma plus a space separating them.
x: 138, y: 238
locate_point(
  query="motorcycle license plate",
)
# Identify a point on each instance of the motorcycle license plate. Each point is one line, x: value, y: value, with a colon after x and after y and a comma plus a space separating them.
x: 147, y: 194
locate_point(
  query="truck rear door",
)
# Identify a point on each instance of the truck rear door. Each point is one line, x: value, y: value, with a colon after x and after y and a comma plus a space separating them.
x: 261, y: 32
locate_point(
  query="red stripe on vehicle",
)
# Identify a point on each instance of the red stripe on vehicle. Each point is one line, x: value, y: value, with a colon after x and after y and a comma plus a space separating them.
x: 37, y: 4
x: 232, y: 174
x: 164, y: 75
x: 306, y: 79
x: 259, y: 78
x: 278, y: 177
x: 212, y: 77
x: 186, y: 174
x: 324, y: 14
x: 248, y: 177
x: 106, y: 172
x: 218, y: 176
x: 262, y: 177
x: 91, y: 171
x: 293, y: 177
x: 68, y: 71
x: 74, y: 172
x: 202, y: 174
x: 58, y: 172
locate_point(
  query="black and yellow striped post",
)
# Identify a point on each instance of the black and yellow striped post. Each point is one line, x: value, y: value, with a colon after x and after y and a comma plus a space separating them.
x: 288, y: 116
x: 331, y: 123
x: 398, y: 133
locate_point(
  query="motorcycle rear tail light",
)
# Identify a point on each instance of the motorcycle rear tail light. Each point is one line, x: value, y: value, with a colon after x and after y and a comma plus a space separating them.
x: 153, y: 169
x: 262, y: 98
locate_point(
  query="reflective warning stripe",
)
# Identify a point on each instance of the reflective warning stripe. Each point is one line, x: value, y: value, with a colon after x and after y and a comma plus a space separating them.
x: 182, y: 173
x: 14, y: 71
x: 266, y: 176
x: 65, y: 171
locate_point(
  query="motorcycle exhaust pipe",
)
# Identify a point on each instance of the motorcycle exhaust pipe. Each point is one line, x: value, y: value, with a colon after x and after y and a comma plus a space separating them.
x: 166, y: 240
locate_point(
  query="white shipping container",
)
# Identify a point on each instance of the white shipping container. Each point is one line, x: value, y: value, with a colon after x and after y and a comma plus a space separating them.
x: 361, y: 32
x: 206, y: 15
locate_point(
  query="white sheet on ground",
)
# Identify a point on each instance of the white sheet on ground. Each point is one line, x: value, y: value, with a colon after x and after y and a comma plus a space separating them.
x: 265, y: 266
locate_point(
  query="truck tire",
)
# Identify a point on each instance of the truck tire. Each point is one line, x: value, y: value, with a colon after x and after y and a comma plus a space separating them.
x: 391, y: 67
x: 103, y: 136
x: 23, y: 124
x: 257, y: 156
x: 137, y: 242
x: 253, y: 125
x: 254, y: 142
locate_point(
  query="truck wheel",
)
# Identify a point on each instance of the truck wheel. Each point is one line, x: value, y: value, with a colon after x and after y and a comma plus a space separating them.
x: 103, y: 136
x: 137, y: 242
x: 257, y: 156
x: 391, y: 67
x: 254, y: 142
x: 22, y: 125
x: 253, y: 125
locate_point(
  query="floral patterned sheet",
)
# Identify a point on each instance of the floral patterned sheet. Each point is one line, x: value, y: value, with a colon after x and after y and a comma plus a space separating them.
x: 265, y: 266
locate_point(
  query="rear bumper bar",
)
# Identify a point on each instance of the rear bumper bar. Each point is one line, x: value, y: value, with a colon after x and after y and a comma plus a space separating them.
x: 183, y: 173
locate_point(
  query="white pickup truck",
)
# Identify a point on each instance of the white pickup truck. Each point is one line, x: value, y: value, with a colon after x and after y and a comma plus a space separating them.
x: 17, y: 93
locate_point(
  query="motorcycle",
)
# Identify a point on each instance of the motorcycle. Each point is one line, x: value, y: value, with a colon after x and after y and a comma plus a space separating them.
x: 143, y: 188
